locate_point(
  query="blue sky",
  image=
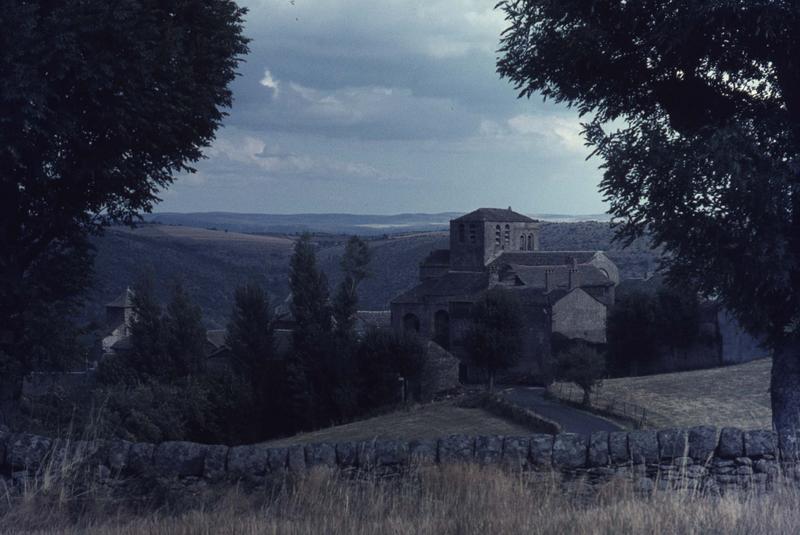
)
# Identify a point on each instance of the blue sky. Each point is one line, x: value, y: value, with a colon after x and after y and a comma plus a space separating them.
x: 385, y: 107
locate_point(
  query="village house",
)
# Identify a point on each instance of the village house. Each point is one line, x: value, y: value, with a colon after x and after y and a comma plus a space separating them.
x: 565, y: 295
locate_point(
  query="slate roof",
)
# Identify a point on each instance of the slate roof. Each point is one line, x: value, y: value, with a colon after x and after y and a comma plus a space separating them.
x: 534, y: 276
x: 216, y: 337
x: 124, y: 300
x: 437, y: 257
x: 543, y: 258
x: 453, y: 284
x: 374, y: 318
x: 502, y: 215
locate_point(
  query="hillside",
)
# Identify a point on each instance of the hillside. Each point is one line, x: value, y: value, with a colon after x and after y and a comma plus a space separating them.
x: 212, y: 263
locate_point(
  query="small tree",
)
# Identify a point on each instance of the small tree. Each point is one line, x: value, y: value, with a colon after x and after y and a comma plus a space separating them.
x: 185, y: 334
x: 251, y: 333
x: 354, y: 264
x: 148, y: 337
x: 583, y: 365
x: 383, y: 358
x: 494, y: 340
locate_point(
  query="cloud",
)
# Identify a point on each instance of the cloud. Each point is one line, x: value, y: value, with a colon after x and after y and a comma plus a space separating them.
x: 566, y: 131
x: 269, y: 82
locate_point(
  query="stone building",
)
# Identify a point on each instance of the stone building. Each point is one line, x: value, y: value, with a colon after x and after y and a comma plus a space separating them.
x: 565, y: 295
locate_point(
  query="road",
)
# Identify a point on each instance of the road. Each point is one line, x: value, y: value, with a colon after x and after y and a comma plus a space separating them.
x: 570, y: 419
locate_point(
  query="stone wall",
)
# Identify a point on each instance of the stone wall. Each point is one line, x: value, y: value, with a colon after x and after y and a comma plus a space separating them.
x: 699, y: 457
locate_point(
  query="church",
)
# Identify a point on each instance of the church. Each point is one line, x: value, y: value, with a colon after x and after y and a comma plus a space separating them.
x: 565, y: 295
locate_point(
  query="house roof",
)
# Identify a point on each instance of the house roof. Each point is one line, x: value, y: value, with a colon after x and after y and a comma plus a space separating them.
x: 217, y: 337
x: 374, y: 318
x: 544, y: 258
x: 124, y: 300
x: 503, y: 215
x: 453, y: 284
x: 437, y: 257
x: 535, y: 276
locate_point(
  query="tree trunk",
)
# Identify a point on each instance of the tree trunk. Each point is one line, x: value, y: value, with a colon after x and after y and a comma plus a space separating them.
x: 785, y: 387
x: 491, y: 381
x: 586, y: 400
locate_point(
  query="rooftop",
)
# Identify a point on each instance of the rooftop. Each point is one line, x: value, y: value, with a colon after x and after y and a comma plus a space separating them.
x: 501, y: 215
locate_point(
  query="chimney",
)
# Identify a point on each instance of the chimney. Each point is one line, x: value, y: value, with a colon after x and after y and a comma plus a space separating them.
x: 574, y: 276
x: 549, y: 280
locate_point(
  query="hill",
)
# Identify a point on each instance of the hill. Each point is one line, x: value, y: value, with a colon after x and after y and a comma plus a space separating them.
x: 212, y: 263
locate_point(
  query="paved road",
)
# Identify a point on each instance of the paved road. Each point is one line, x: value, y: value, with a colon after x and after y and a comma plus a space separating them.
x: 570, y: 419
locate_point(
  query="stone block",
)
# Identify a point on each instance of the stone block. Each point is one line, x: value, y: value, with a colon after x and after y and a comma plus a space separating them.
x: 4, y: 436
x: 247, y: 461
x: 320, y: 454
x: 702, y: 442
x: 672, y: 443
x: 515, y: 452
x: 456, y: 448
x: 140, y: 458
x: 489, y: 449
x: 598, y: 449
x: 347, y: 454
x: 731, y: 443
x: 643, y: 446
x: 118, y: 451
x: 296, y: 459
x: 618, y: 447
x: 570, y: 450
x: 27, y: 452
x: 277, y: 460
x: 759, y: 443
x: 422, y: 451
x: 216, y: 461
x: 541, y: 450
x: 391, y: 453
x: 789, y: 446
x: 179, y: 459
x: 366, y: 454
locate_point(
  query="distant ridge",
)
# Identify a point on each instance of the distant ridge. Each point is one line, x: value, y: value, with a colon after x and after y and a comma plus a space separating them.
x: 332, y: 222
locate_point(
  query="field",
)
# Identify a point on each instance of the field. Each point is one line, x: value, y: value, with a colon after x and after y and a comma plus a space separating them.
x: 462, y: 500
x: 426, y: 421
x: 735, y: 396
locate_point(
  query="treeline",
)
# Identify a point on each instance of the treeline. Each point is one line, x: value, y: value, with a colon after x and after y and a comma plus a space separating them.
x: 163, y: 388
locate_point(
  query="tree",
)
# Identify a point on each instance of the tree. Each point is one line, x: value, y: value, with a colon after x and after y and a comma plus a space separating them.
x: 631, y: 332
x: 103, y: 103
x: 583, y: 365
x: 383, y: 358
x: 354, y: 264
x: 694, y: 108
x: 494, y: 339
x: 251, y: 333
x: 185, y: 335
x: 148, y: 337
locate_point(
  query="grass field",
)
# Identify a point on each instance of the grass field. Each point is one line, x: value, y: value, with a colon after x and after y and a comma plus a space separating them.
x: 464, y: 500
x: 426, y: 421
x: 736, y: 396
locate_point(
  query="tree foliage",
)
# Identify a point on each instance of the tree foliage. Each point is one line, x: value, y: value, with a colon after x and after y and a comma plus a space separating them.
x: 694, y: 107
x: 494, y: 340
x: 354, y: 265
x: 103, y: 103
x: 583, y: 365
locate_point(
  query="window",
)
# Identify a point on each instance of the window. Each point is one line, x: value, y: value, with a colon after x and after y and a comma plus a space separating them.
x: 522, y: 242
x: 497, y: 235
x: 507, y: 236
x: 530, y: 242
x: 461, y: 233
x: 473, y: 236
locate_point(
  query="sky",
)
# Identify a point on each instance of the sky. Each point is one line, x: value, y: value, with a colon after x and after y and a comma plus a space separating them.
x: 357, y: 106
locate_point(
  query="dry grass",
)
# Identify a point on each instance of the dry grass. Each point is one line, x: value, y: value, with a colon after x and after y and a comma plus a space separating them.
x: 419, y: 422
x: 736, y: 396
x: 452, y: 500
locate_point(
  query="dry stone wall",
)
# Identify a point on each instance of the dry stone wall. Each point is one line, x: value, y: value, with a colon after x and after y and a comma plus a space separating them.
x: 700, y: 457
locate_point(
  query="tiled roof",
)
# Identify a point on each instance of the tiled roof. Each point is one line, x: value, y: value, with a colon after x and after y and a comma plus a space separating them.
x: 216, y: 337
x: 504, y: 215
x: 544, y: 258
x: 124, y: 300
x: 437, y: 257
x: 534, y: 276
x: 376, y: 318
x: 453, y: 284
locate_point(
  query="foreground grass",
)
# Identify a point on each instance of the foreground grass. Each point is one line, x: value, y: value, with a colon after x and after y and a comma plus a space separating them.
x: 420, y: 422
x: 732, y: 396
x: 454, y: 500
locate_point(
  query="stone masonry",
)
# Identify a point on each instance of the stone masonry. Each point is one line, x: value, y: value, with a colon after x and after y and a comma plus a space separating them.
x: 698, y: 457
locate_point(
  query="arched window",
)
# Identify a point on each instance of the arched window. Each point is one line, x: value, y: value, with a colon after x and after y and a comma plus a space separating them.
x: 410, y: 323
x: 522, y: 242
x: 473, y: 234
x: 507, y: 237
x: 530, y: 242
x: 497, y: 235
x: 461, y: 233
